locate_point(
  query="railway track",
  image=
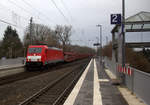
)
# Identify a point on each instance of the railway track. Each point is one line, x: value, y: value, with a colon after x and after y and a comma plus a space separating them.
x: 28, y: 74
x: 16, y: 92
x: 57, y: 91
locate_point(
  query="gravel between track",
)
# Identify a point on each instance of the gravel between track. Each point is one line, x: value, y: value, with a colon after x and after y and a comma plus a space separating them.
x: 14, y: 93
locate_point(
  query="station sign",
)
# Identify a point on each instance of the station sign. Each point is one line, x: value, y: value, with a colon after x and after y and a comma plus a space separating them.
x: 96, y: 44
x: 115, y: 18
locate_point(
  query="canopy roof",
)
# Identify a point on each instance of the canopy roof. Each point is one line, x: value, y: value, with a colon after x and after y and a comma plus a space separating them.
x: 141, y: 16
x: 139, y: 22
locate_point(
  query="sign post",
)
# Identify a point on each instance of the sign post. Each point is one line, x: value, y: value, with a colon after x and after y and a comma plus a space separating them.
x: 119, y: 19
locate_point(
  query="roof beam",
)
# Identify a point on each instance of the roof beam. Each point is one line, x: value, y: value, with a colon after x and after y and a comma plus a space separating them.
x: 138, y: 30
x: 138, y: 45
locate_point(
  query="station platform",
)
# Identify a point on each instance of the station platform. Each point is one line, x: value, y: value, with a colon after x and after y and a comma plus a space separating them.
x: 7, y: 70
x: 12, y: 66
x: 94, y: 88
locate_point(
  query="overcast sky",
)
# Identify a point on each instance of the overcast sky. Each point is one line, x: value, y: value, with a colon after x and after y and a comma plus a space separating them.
x: 83, y: 15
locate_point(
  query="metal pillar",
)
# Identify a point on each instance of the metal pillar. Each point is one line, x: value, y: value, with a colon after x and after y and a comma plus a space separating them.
x: 31, y: 20
x: 123, y: 38
x: 100, y: 27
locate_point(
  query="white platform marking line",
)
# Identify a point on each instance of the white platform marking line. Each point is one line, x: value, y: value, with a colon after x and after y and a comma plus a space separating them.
x: 97, y: 98
x: 103, y: 80
x: 71, y: 98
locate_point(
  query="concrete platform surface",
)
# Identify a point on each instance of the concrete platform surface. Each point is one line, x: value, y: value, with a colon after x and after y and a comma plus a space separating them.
x: 7, y: 70
x: 94, y: 88
x: 4, y: 67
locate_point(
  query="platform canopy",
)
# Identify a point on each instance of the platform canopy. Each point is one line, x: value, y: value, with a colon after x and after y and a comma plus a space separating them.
x: 139, y: 22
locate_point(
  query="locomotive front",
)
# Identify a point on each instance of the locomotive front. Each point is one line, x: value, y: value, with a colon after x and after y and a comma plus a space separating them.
x: 35, y: 56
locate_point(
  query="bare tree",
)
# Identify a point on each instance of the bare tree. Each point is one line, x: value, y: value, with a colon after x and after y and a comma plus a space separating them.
x: 41, y: 34
x: 63, y: 33
x: 82, y: 49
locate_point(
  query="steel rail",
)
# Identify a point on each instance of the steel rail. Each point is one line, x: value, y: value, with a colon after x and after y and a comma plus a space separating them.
x: 41, y: 91
x: 60, y: 98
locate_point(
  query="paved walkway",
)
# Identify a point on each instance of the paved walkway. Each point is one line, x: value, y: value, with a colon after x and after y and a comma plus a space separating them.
x: 94, y: 88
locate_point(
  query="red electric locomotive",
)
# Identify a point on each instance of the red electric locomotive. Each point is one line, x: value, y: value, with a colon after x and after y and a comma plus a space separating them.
x: 41, y: 55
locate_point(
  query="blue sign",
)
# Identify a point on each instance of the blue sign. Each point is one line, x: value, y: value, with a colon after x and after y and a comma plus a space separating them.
x: 115, y: 18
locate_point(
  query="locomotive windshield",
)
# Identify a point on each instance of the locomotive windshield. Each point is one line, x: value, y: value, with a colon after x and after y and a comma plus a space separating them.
x: 35, y: 50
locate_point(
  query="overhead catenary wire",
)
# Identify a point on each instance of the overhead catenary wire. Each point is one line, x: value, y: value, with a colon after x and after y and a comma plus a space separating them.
x: 12, y: 12
x: 3, y: 21
x: 65, y: 6
x: 59, y: 10
x: 12, y: 2
x: 30, y: 13
x: 22, y: 17
x: 29, y: 5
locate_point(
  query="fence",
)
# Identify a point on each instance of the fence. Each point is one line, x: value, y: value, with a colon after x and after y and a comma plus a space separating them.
x: 138, y: 82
